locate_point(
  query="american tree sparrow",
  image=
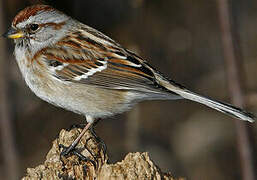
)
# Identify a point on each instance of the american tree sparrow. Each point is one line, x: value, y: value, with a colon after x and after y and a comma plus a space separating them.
x: 76, y: 67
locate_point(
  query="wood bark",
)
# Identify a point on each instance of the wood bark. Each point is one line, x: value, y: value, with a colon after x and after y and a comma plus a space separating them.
x: 134, y: 166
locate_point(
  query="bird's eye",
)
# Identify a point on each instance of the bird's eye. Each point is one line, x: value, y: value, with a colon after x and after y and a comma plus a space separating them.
x: 34, y: 27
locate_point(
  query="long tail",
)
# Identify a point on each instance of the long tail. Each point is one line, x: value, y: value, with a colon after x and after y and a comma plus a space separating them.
x: 219, y: 106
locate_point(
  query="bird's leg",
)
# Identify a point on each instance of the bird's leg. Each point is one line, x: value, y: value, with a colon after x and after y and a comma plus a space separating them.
x: 98, y: 139
x: 67, y: 150
x: 70, y: 150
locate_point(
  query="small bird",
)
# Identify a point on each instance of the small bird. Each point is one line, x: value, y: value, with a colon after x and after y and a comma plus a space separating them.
x: 78, y: 68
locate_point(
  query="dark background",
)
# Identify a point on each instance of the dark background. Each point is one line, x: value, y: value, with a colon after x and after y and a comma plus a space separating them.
x: 180, y: 38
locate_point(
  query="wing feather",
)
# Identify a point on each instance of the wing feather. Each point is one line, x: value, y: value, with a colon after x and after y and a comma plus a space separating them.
x: 82, y: 59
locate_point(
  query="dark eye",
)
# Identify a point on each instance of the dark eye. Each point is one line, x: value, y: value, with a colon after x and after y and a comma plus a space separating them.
x: 34, y: 27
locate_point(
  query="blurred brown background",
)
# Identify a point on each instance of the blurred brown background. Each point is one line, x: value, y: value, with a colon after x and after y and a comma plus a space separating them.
x: 180, y: 38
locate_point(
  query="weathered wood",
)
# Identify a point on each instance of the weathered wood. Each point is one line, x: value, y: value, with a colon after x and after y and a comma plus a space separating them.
x: 134, y: 166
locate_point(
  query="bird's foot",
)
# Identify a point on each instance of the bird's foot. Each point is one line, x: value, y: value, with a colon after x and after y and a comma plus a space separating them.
x: 69, y: 151
x: 95, y: 150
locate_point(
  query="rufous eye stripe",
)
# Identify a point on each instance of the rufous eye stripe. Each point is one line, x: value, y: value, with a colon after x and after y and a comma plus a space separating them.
x: 55, y: 26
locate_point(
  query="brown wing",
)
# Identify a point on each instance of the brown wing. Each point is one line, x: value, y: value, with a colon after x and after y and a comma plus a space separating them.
x: 89, y: 59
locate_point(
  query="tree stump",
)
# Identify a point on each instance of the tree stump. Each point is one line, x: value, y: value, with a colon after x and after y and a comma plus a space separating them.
x: 135, y: 166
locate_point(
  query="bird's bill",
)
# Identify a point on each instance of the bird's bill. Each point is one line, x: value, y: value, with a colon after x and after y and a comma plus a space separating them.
x: 13, y: 34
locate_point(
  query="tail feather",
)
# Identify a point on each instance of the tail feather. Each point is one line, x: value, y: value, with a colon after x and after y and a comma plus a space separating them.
x: 219, y: 106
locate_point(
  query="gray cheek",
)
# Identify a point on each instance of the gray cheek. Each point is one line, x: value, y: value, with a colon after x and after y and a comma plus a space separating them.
x: 42, y: 37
